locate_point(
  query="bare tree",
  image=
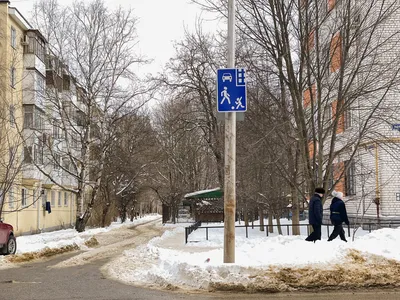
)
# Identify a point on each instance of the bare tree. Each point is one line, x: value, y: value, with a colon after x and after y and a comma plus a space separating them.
x: 185, y: 160
x: 93, y: 87
x: 334, y: 63
x: 191, y: 76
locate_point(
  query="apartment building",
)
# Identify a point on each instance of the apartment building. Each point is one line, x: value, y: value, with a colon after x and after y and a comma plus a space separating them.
x: 366, y: 167
x: 32, y: 202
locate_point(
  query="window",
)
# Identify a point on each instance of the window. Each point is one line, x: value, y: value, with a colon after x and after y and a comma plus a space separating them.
x: 13, y: 77
x: 40, y: 87
x: 53, y: 198
x: 44, y: 199
x: 56, y: 161
x: 13, y: 37
x: 12, y: 115
x: 28, y: 155
x: 59, y: 198
x: 350, y: 178
x: 34, y: 198
x: 397, y: 196
x: 327, y: 115
x: 66, y: 163
x: 348, y: 122
x: 11, y: 198
x: 38, y: 153
x: 28, y: 116
x: 56, y: 130
x: 11, y: 156
x: 23, y: 198
x: 36, y: 46
x: 65, y: 199
x: 33, y: 117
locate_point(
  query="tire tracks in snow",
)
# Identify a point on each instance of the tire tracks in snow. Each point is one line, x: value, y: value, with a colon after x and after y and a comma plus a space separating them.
x: 114, y: 242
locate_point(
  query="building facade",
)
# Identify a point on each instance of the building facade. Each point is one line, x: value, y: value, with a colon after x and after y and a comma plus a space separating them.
x: 31, y: 201
x: 361, y: 47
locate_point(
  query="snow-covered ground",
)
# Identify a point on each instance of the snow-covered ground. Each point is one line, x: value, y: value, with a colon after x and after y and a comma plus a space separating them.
x: 273, y: 263
x: 168, y: 261
x: 66, y: 237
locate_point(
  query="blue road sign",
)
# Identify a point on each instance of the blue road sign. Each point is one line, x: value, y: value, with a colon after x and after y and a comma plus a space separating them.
x: 231, y: 89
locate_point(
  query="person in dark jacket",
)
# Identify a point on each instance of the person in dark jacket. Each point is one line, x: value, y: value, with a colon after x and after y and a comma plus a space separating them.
x: 315, y: 215
x: 338, y: 216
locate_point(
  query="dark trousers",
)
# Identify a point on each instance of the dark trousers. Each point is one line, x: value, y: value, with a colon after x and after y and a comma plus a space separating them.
x: 338, y: 230
x: 316, y: 234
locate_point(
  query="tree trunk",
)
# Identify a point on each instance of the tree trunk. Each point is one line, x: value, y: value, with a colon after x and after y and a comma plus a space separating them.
x: 261, y: 219
x: 246, y: 217
x: 104, y: 216
x: 278, y: 222
x: 270, y: 223
x: 295, y: 212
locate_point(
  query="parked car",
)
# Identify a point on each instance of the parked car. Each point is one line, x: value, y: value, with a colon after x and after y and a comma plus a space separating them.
x: 8, y: 243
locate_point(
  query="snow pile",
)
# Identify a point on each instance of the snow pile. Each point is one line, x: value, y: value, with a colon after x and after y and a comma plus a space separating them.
x: 262, y: 263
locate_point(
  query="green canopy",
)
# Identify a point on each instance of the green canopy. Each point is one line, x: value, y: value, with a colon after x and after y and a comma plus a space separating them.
x: 205, y: 194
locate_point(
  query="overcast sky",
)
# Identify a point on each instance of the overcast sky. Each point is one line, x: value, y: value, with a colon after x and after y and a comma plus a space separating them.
x: 160, y: 23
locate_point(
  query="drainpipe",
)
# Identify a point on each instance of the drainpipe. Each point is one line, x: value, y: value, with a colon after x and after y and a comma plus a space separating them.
x: 377, y: 188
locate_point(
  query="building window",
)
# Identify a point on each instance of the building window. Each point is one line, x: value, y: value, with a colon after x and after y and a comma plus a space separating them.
x: 56, y: 130
x: 38, y: 153
x: 53, y: 198
x: 65, y: 199
x: 37, y: 47
x: 28, y: 155
x: 44, y: 198
x: 23, y: 198
x: 11, y: 198
x: 13, y: 37
x: 34, y: 198
x: 56, y: 161
x: 348, y: 122
x: 33, y: 117
x: 11, y: 156
x: 13, y: 77
x: 397, y: 196
x: 350, y: 178
x: 12, y: 115
x: 59, y: 198
x: 40, y: 88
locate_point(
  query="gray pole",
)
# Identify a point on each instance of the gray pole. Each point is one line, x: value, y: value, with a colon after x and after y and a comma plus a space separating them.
x: 230, y: 153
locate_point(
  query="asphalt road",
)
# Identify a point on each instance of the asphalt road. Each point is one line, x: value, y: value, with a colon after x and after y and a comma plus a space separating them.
x: 38, y: 281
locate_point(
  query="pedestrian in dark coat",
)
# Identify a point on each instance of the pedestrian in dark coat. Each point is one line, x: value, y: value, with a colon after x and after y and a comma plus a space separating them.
x: 315, y: 215
x: 338, y: 216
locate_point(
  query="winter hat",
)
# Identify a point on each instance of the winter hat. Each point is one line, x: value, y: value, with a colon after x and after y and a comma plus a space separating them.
x: 337, y: 195
x: 320, y: 190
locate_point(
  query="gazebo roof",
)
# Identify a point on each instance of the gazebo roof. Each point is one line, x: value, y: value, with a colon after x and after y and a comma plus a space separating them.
x: 205, y: 194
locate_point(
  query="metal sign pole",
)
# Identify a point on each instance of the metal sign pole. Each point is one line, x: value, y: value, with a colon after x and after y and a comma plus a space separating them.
x: 230, y: 153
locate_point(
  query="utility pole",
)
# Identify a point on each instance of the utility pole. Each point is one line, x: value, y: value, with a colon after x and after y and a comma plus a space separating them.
x: 230, y: 153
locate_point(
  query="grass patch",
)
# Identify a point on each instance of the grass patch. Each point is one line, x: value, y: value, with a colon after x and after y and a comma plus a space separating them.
x: 47, y: 252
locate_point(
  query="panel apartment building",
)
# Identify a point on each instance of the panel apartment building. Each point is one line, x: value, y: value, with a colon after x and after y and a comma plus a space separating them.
x: 30, y: 135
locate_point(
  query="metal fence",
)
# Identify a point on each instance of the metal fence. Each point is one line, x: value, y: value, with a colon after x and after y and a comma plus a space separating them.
x: 190, y: 229
x: 287, y: 228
